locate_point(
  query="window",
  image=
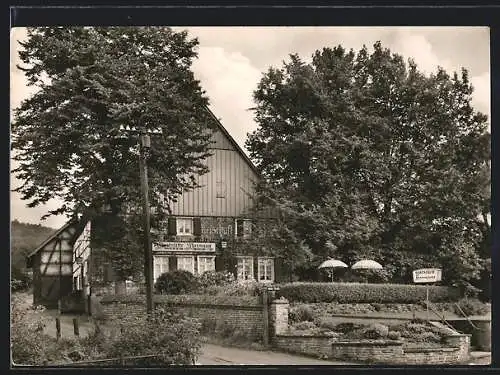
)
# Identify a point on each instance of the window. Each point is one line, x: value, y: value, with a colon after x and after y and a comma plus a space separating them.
x: 184, y: 227
x: 243, y: 228
x: 245, y: 268
x: 160, y: 266
x: 220, y: 189
x: 266, y: 270
x: 186, y: 264
x: 206, y: 264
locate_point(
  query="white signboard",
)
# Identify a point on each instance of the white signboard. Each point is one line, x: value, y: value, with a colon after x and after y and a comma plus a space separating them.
x: 427, y: 275
x: 184, y: 246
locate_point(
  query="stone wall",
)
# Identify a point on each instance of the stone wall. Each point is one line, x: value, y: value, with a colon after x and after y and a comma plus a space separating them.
x: 313, y: 345
x: 246, y: 319
x: 115, y: 310
x: 389, y: 352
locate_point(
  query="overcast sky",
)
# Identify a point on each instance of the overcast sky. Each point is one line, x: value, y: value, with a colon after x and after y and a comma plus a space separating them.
x: 231, y: 61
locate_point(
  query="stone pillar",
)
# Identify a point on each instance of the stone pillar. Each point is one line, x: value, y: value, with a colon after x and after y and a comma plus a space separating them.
x: 461, y: 341
x: 278, y: 317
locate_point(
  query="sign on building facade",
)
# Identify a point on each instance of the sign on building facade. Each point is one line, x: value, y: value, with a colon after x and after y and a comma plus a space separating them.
x: 184, y: 247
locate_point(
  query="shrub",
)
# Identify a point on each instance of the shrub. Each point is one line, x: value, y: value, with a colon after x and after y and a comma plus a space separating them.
x: 327, y: 323
x: 347, y: 327
x: 419, y: 332
x: 376, y: 331
x: 208, y: 325
x: 235, y: 288
x: 175, y: 338
x: 28, y: 342
x: 472, y: 307
x: 244, y: 288
x: 310, y: 292
x: 166, y: 299
x: 417, y: 328
x: 394, y: 335
x: 176, y: 282
x: 215, y: 279
x: 304, y: 326
x: 301, y: 313
x: 19, y: 280
x: 427, y: 337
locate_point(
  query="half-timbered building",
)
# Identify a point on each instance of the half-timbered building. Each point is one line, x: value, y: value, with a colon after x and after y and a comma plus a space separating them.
x: 61, y: 265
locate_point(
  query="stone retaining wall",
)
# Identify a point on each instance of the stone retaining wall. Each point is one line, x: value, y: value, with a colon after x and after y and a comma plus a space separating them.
x: 389, y: 352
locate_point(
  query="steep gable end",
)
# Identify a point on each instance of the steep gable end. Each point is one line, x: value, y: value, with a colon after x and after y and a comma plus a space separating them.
x: 221, y: 142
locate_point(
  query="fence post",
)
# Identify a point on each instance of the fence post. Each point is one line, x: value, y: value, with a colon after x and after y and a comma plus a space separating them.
x: 58, y: 328
x: 76, y: 327
x: 265, y: 311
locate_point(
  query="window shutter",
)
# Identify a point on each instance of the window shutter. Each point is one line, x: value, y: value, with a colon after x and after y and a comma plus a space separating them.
x: 239, y: 227
x: 256, y: 268
x: 232, y: 265
x: 197, y: 226
x: 279, y: 271
x: 172, y: 226
x: 172, y: 264
x: 219, y: 263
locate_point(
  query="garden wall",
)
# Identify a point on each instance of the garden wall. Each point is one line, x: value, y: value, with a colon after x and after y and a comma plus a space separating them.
x: 377, y: 351
x: 237, y: 315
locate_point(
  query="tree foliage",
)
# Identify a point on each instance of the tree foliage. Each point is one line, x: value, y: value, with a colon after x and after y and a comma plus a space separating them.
x: 25, y: 238
x: 366, y: 152
x: 67, y: 140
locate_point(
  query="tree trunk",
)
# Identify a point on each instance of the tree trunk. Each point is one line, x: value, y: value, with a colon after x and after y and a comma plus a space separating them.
x: 120, y: 287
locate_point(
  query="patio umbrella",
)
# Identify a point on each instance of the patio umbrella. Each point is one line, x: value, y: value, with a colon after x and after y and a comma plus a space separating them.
x: 366, y: 264
x: 332, y: 263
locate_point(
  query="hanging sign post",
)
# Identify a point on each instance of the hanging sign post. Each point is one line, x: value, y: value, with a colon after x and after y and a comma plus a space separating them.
x: 427, y: 276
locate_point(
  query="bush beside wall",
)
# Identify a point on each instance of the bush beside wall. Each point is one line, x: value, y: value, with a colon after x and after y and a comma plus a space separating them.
x: 365, y: 293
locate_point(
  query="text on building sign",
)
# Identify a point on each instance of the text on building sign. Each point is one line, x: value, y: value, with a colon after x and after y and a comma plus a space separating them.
x: 184, y: 246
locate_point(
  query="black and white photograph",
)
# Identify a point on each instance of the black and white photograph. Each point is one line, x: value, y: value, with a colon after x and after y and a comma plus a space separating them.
x: 250, y: 195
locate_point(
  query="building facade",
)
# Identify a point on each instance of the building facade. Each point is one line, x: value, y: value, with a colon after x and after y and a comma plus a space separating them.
x: 209, y: 224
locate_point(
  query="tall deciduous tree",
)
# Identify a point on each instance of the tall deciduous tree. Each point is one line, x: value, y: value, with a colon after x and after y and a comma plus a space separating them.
x: 366, y: 151
x: 67, y: 139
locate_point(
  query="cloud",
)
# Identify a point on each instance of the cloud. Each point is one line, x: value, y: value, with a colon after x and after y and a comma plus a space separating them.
x: 482, y: 93
x: 229, y: 80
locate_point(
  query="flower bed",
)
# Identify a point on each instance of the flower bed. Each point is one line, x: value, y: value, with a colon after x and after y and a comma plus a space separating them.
x: 313, y: 311
x: 412, y: 334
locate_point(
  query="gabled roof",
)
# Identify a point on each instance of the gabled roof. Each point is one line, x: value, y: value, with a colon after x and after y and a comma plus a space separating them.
x: 78, y: 223
x: 233, y: 142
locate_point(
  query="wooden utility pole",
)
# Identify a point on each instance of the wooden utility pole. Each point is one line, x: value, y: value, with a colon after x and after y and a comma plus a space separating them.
x: 144, y: 147
x: 145, y: 144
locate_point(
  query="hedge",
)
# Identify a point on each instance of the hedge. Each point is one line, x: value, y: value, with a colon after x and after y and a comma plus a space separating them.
x: 365, y: 293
